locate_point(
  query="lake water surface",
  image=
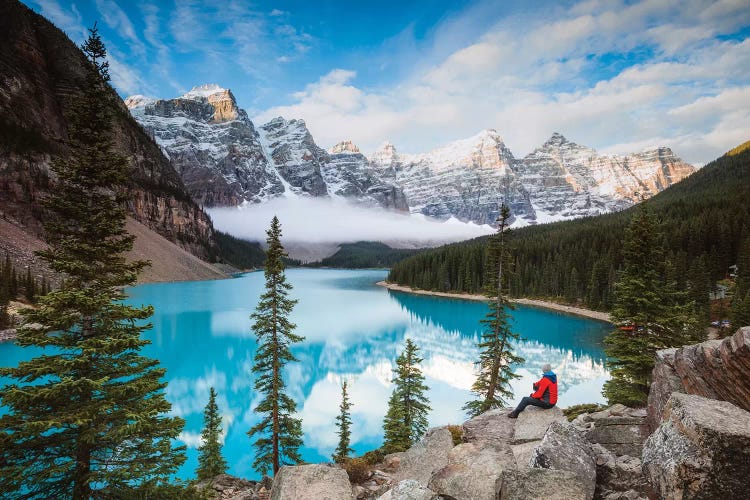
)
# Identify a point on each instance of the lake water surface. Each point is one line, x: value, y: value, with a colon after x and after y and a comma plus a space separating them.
x: 353, y: 330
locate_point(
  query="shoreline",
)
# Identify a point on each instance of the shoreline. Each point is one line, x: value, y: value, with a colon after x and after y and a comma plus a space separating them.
x: 543, y: 304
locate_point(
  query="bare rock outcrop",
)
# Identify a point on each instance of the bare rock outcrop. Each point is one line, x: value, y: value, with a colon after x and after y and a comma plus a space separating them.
x: 538, y: 484
x: 715, y: 369
x: 620, y: 429
x: 226, y: 487
x: 701, y: 450
x: 533, y: 422
x: 425, y: 457
x: 564, y: 447
x: 311, y: 482
x: 472, y: 470
x: 408, y: 489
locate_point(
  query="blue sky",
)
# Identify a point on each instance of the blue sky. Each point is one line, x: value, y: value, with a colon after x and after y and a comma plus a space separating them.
x: 616, y: 75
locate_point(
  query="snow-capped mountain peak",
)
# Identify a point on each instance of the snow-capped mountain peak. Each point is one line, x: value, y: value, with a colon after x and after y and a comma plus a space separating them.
x: 138, y: 101
x: 344, y: 147
x: 204, y: 91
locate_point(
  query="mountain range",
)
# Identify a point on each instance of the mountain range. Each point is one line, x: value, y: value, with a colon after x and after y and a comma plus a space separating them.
x: 225, y: 160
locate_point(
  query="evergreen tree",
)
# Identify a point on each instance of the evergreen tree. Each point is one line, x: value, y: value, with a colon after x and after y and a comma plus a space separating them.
x: 279, y: 433
x: 496, y: 356
x: 210, y: 461
x: 88, y: 417
x: 344, y: 423
x: 649, y: 312
x: 740, y: 312
x: 406, y: 419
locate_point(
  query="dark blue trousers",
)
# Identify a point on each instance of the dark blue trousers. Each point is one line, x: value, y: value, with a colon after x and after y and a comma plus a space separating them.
x: 526, y: 401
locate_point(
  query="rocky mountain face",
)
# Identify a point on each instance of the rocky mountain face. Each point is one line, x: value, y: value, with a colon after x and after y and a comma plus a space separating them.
x: 41, y: 72
x: 471, y: 178
x: 224, y: 160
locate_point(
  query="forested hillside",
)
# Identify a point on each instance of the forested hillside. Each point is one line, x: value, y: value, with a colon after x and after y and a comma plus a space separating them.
x: 705, y: 219
x: 364, y: 254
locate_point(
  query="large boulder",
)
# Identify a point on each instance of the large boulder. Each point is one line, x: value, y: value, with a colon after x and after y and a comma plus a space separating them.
x: 664, y: 381
x: 311, y: 482
x: 540, y: 484
x: 715, y: 369
x: 472, y: 470
x: 425, y: 457
x: 491, y: 426
x: 523, y: 452
x: 564, y: 447
x: 619, y: 477
x: 533, y: 422
x: 700, y: 450
x: 408, y: 489
x: 620, y: 429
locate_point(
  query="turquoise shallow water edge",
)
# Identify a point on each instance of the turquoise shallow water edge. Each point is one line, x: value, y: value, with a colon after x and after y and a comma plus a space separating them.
x: 353, y: 329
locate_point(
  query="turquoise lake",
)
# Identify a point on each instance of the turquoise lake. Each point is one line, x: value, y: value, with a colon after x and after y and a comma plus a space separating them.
x: 353, y: 330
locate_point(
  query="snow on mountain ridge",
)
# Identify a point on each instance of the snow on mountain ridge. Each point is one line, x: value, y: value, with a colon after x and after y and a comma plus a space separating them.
x: 225, y: 160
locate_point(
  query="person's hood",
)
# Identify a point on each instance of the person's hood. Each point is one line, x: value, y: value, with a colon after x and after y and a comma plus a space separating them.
x: 551, y: 376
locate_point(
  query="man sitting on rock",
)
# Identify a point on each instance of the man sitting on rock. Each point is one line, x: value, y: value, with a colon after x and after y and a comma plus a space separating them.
x: 545, y: 395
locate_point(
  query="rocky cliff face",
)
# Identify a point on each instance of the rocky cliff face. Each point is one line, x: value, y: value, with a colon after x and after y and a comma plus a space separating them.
x: 224, y: 160
x: 560, y: 180
x: 40, y: 75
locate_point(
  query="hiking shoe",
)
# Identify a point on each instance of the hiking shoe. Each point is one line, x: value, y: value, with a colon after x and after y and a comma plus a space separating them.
x: 512, y: 415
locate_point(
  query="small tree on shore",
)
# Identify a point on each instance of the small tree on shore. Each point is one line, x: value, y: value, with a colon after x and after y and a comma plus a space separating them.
x: 496, y: 356
x: 406, y: 419
x: 278, y: 434
x: 210, y: 461
x: 344, y: 423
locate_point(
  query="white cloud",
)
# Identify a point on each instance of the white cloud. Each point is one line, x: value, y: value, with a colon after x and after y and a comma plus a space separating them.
x: 68, y: 20
x: 119, y: 21
x: 558, y: 70
x: 315, y: 220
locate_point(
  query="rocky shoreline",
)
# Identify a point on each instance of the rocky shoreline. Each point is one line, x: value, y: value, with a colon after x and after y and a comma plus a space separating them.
x: 693, y: 441
x: 543, y: 304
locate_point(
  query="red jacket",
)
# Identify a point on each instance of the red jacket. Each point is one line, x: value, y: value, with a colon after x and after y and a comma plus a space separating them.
x: 546, y: 388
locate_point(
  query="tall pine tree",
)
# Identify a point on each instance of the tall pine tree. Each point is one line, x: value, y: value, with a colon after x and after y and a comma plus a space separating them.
x: 279, y: 433
x: 210, y: 461
x: 649, y: 312
x: 344, y: 423
x: 88, y: 417
x: 496, y: 356
x: 406, y: 419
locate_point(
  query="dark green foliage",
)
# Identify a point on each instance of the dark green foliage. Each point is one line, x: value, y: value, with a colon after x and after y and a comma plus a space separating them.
x: 496, y: 356
x: 279, y: 434
x: 740, y: 313
x: 406, y: 419
x: 210, y: 461
x: 240, y: 253
x: 344, y: 423
x: 705, y: 217
x: 649, y: 312
x: 87, y: 418
x: 373, y: 457
x: 364, y: 254
x: 11, y: 285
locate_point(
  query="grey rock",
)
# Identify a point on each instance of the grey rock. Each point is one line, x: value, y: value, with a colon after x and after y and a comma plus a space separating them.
x: 620, y: 429
x: 715, y: 369
x: 533, y: 422
x: 311, y: 482
x: 425, y: 457
x: 540, y: 484
x: 523, y: 452
x: 472, y: 470
x: 701, y: 449
x: 619, y: 477
x: 493, y: 426
x: 564, y: 447
x: 408, y: 490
